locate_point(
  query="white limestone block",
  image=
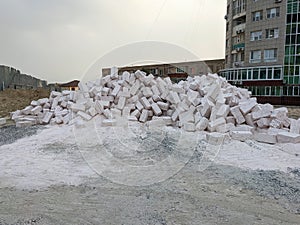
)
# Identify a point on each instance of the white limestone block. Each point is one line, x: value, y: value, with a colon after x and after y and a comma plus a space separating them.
x: 190, y: 127
x: 230, y: 119
x: 116, y: 113
x: 36, y: 110
x: 147, y: 92
x: 287, y: 137
x: 107, y: 113
x: 109, y: 122
x: 136, y: 113
x: 139, y: 106
x: 92, y: 111
x: 286, y: 122
x: 43, y: 101
x: 77, y: 107
x: 155, y: 90
x: 132, y: 118
x: 223, y: 111
x: 241, y: 135
x: 206, y: 109
x: 134, y: 89
x: 249, y: 120
x: 202, y: 124
x: 243, y: 128
x: 27, y: 110
x: 126, y: 111
x: 214, y: 91
x: 121, y: 103
x: 280, y: 113
x: 34, y: 103
x: 20, y: 124
x: 175, y: 115
x: 64, y: 104
x: 144, y: 116
x: 263, y: 122
x: 140, y: 74
x: 58, y: 119
x: 105, y: 91
x: 125, y: 93
x: 116, y: 90
x: 214, y: 124
x: 295, y: 126
x: 216, y: 138
x: 263, y: 111
x: 156, y: 98
x: 48, y: 116
x: 156, y: 109
x: 235, y: 111
x: 276, y: 123
x: 146, y: 103
x: 225, y: 128
x: 83, y: 87
x: 175, y: 97
x: 55, y: 94
x: 265, y: 138
x: 197, y: 117
x: 114, y: 73
x: 247, y: 106
x: 126, y: 76
x: 2, y: 121
x: 164, y: 106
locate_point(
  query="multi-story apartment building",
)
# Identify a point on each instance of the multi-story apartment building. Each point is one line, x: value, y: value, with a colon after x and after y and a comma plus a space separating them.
x: 263, y: 48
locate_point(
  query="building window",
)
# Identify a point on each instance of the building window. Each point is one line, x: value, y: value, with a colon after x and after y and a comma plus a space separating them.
x: 257, y: 16
x: 239, y: 6
x: 255, y: 56
x: 270, y: 55
x: 180, y: 70
x: 256, y: 35
x: 272, y: 33
x: 273, y: 12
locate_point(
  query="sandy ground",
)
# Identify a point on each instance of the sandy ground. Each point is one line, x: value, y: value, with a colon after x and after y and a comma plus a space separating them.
x: 65, y: 175
x: 12, y: 100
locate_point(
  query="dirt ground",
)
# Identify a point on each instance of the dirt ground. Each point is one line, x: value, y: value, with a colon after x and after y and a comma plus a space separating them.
x: 12, y: 100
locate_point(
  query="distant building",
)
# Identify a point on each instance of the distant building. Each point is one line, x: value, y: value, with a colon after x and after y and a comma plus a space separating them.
x: 263, y: 48
x: 176, y: 71
x: 71, y: 86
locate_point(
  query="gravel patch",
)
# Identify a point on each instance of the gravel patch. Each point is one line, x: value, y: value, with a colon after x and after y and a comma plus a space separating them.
x: 10, y: 134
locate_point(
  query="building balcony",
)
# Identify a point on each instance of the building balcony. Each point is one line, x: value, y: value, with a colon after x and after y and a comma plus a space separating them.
x: 238, y: 29
x: 238, y: 14
x: 238, y: 47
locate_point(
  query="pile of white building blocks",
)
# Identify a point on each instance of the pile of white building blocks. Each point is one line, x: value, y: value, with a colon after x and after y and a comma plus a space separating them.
x: 201, y: 103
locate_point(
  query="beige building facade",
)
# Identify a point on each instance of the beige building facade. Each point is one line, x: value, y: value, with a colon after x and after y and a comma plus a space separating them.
x: 263, y: 48
x: 176, y: 71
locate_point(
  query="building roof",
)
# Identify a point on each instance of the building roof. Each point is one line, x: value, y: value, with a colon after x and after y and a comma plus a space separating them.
x: 73, y: 83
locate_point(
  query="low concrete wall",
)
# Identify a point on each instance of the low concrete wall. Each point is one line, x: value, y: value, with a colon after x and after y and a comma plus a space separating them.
x: 13, y: 78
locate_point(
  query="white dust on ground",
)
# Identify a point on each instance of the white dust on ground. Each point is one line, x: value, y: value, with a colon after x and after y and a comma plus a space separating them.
x: 51, y: 158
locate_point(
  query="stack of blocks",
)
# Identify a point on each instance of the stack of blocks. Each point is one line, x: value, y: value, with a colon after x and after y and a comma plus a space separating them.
x: 200, y: 103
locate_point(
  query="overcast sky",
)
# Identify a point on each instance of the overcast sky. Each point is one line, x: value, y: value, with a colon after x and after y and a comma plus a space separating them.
x: 58, y: 40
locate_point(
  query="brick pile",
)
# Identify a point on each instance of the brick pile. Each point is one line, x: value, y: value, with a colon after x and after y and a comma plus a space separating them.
x: 201, y: 103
